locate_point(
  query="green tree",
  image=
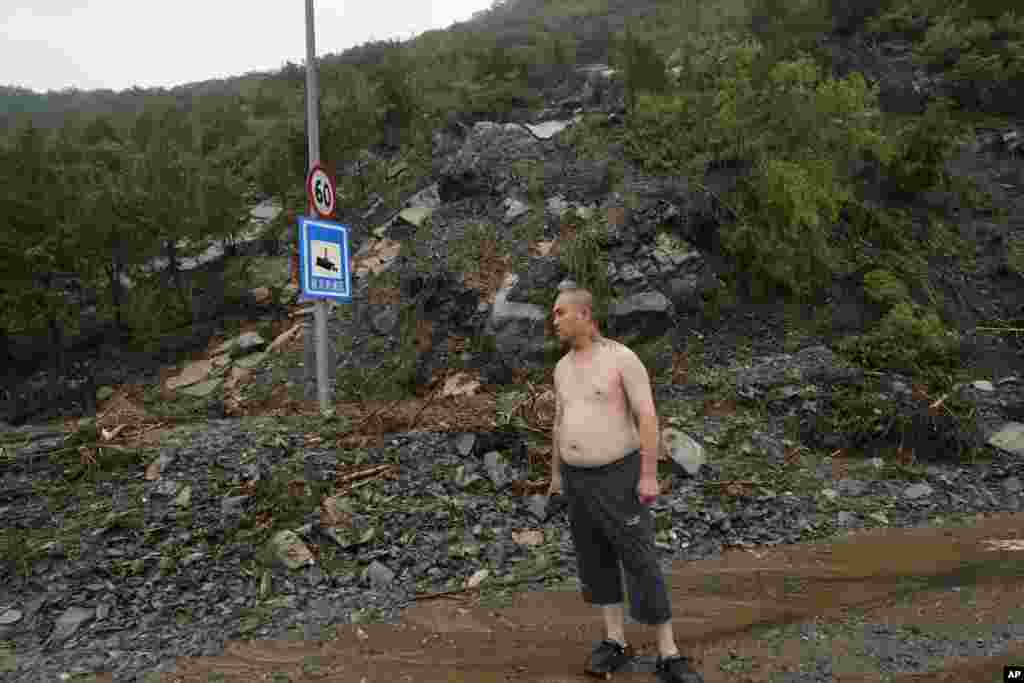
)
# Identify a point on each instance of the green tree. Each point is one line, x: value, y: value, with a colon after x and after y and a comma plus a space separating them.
x: 644, y: 69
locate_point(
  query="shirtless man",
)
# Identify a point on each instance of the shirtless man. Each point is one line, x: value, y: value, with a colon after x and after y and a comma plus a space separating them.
x: 605, y: 454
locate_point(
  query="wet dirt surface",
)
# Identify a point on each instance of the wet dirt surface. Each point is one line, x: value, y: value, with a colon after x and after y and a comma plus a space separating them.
x: 760, y: 615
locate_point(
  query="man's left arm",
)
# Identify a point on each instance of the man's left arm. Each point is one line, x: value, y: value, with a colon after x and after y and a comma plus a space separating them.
x: 637, y: 385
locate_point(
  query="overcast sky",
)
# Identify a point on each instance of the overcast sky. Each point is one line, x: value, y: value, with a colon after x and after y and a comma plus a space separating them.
x: 118, y: 44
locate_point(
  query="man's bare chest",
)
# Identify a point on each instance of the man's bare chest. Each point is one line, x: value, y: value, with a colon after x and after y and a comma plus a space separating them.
x: 594, y: 383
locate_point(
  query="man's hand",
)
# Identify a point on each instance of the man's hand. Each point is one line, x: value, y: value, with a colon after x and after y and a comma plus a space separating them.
x: 555, y: 488
x: 647, y: 489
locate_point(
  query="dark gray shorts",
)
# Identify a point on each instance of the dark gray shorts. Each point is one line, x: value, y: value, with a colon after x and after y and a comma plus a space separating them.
x: 610, y: 525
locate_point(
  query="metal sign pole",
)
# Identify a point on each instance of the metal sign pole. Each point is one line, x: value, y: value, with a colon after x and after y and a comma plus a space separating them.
x: 313, y: 121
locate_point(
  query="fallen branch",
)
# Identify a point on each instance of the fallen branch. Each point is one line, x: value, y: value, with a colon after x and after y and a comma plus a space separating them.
x: 364, y: 474
x: 386, y: 409
x: 430, y: 399
x: 730, y: 483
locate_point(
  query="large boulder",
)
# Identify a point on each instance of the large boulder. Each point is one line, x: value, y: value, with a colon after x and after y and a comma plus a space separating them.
x: 519, y: 329
x: 642, y: 316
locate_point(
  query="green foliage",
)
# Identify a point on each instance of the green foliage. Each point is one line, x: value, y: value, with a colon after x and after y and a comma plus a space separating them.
x: 923, y: 144
x: 885, y: 288
x: 643, y: 67
x: 583, y: 257
x: 788, y: 247
x: 787, y: 26
x: 1015, y: 254
x: 909, y: 339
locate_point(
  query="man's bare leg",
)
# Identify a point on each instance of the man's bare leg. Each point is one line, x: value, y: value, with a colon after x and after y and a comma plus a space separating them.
x: 666, y: 640
x: 613, y: 618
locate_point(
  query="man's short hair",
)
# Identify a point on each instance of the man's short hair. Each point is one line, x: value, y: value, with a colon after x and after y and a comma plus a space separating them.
x: 577, y: 295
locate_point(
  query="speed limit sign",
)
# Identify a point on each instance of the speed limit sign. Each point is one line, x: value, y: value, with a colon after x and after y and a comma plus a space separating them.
x: 320, y: 188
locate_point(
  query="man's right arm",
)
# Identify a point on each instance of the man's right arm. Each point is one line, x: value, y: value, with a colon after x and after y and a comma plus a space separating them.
x: 556, y: 469
x: 556, y: 460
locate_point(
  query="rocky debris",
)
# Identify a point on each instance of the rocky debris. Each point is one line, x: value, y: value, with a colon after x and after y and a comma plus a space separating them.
x: 485, y: 160
x: 812, y: 365
x: 397, y: 545
x: 390, y: 545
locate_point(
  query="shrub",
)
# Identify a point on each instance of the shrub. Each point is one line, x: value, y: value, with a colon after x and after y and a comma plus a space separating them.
x: 885, y: 288
x: 1015, y: 254
x: 923, y: 144
x: 583, y: 257
x: 788, y: 246
x: 908, y: 339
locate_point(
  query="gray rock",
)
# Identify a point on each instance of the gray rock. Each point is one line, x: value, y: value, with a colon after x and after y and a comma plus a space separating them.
x: 683, y: 450
x: 69, y: 622
x: 518, y: 328
x: 984, y: 385
x: 537, y: 506
x: 1010, y: 438
x: 556, y: 206
x: 514, y: 209
x: 426, y: 198
x: 385, y: 321
x: 648, y: 314
x: 379, y: 575
x: 851, y: 487
x: 464, y: 444
x: 250, y: 341
x: 11, y: 616
x: 1012, y: 485
x: 167, y: 487
x: 917, y: 490
x: 684, y: 293
x: 496, y: 554
x: 629, y: 273
x: 769, y: 446
x: 846, y: 519
x: 497, y: 470
x: 233, y: 505
x: 549, y: 129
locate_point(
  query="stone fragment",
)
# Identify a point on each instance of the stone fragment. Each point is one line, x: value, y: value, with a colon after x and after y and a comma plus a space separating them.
x: 379, y: 575
x: 249, y: 342
x: 69, y: 622
x: 193, y: 373
x: 915, y: 491
x: 1009, y: 438
x: 203, y: 389
x: 683, y: 450
x: 289, y: 549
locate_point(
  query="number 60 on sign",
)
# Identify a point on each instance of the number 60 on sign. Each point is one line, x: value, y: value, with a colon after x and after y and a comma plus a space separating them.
x: 321, y: 192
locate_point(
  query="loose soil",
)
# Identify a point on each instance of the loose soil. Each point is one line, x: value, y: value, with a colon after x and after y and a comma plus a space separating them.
x: 753, y: 616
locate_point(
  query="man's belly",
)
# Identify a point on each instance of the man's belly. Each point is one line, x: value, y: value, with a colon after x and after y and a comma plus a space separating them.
x: 594, y: 438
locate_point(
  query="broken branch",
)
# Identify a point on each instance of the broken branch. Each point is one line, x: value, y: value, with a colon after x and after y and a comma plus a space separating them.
x: 374, y: 471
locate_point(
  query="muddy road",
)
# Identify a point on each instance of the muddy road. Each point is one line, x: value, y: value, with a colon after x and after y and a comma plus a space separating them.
x: 925, y: 604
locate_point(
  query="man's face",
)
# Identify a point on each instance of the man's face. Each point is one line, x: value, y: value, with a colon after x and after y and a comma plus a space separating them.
x: 567, y: 319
